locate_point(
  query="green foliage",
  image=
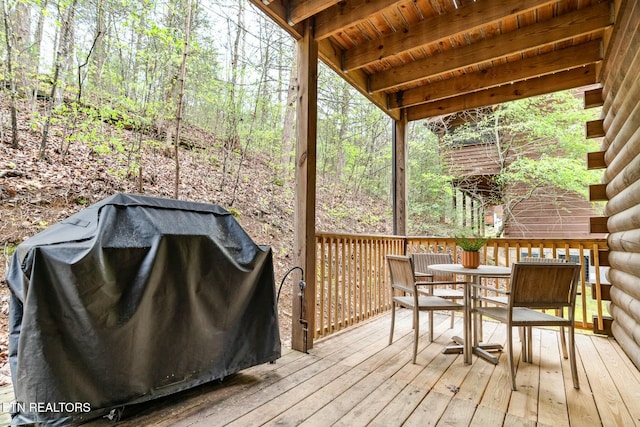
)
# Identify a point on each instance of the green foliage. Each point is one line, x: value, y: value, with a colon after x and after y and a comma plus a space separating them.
x: 568, y: 174
x: 341, y: 213
x: 471, y: 244
x: 430, y: 192
x: 235, y: 212
x: 9, y: 250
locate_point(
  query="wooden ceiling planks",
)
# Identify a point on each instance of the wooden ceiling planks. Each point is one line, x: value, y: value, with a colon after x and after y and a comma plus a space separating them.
x: 530, y: 67
x: 404, y: 50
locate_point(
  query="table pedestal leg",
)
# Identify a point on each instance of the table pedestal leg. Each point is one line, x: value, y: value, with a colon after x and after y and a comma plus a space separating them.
x: 480, y: 350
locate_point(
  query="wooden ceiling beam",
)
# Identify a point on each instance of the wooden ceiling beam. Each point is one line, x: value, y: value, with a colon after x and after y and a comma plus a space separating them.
x: 299, y: 10
x: 278, y: 14
x: 437, y: 29
x: 536, y: 66
x: 539, y: 86
x: 347, y: 14
x: 564, y: 27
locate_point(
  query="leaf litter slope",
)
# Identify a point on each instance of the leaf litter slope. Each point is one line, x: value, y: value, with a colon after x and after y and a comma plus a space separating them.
x: 35, y: 194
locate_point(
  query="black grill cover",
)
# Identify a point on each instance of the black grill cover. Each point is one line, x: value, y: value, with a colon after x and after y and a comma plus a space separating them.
x: 131, y: 299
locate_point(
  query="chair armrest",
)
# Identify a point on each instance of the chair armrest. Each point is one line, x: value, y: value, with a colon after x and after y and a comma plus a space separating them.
x: 424, y: 283
x: 420, y: 283
x: 451, y: 282
x: 490, y: 289
x: 441, y: 283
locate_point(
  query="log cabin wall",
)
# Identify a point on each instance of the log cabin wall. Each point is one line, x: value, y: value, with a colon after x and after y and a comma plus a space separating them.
x: 621, y: 145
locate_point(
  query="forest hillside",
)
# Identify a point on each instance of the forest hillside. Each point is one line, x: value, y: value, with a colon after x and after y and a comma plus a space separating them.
x: 35, y: 193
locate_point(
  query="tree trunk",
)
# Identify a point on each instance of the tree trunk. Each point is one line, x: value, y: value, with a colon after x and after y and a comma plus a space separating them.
x: 35, y: 53
x: 82, y: 77
x: 232, y: 137
x: 95, y: 71
x: 183, y: 75
x: 11, y: 77
x: 23, y: 62
x: 289, y: 124
x: 236, y: 74
x: 65, y: 58
x: 342, y: 130
x: 61, y: 53
x: 170, y: 75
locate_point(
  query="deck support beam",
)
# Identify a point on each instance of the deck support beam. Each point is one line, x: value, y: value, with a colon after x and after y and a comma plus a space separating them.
x: 400, y: 175
x: 303, y: 313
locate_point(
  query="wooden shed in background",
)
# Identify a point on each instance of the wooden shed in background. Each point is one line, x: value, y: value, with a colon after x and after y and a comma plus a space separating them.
x: 417, y: 59
x: 524, y: 212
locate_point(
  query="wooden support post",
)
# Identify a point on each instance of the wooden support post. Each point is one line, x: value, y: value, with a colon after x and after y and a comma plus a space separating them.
x: 454, y: 204
x: 472, y: 214
x: 400, y: 175
x: 305, y: 199
x: 464, y: 209
x: 603, y: 258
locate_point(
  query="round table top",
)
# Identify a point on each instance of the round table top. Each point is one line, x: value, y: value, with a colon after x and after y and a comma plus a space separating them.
x: 482, y: 270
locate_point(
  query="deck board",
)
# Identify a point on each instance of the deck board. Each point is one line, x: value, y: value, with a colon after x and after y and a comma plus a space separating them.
x: 524, y: 404
x: 552, y: 403
x: 355, y: 378
x: 581, y: 405
x: 611, y: 408
x: 624, y: 375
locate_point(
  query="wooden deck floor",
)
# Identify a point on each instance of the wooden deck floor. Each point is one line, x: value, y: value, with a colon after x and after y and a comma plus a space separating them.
x: 355, y: 379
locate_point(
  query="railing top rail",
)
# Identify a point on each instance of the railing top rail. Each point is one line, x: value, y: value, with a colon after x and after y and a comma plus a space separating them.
x: 524, y: 242
x: 527, y: 241
x: 359, y: 236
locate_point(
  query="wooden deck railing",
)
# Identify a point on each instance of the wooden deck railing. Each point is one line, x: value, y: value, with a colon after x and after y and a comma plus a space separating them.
x: 351, y: 278
x: 352, y: 275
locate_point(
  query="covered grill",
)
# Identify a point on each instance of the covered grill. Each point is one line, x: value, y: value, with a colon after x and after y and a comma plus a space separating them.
x: 132, y: 299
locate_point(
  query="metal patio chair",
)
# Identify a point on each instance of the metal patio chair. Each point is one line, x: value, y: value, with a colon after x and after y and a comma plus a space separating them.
x: 403, y: 280
x: 535, y: 286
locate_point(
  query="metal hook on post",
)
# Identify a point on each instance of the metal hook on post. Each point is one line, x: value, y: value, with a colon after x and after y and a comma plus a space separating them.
x: 303, y: 320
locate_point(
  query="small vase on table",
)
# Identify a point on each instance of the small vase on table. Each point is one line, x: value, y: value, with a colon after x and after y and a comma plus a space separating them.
x: 470, y: 259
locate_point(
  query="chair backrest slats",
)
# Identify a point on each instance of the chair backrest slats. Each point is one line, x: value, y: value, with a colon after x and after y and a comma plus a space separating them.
x: 422, y: 261
x: 543, y: 285
x: 401, y: 272
x: 537, y: 259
